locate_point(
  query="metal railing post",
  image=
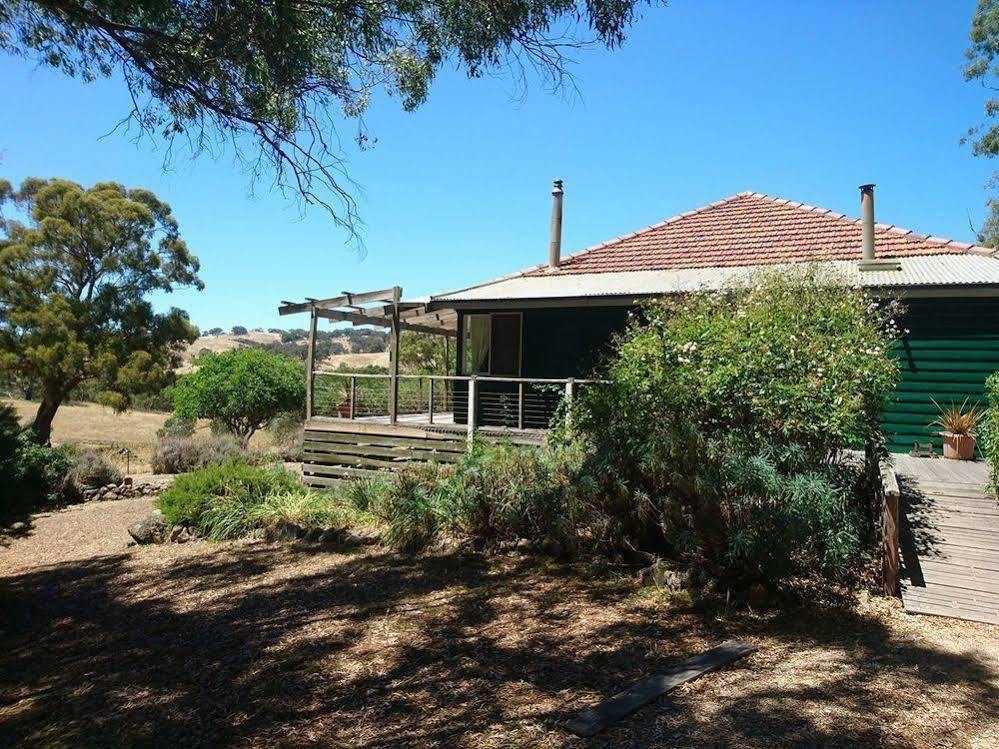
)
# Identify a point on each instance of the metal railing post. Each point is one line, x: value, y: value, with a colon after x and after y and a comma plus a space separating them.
x: 353, y: 395
x: 472, y: 415
x: 570, y: 394
x: 520, y: 405
x: 430, y: 415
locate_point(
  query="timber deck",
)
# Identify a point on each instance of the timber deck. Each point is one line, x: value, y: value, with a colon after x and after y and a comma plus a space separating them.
x: 949, y: 539
x: 338, y: 449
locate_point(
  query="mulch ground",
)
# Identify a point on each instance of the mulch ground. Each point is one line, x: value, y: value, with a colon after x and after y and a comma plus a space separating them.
x: 253, y: 644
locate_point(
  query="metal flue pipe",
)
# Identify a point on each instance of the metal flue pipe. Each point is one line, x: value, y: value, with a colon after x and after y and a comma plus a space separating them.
x: 555, y: 246
x: 867, y: 221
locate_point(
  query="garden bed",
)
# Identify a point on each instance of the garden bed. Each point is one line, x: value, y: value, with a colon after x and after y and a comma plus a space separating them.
x: 251, y: 643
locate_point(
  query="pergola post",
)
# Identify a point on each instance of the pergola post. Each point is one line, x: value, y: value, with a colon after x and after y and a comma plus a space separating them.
x: 394, y: 357
x: 310, y: 365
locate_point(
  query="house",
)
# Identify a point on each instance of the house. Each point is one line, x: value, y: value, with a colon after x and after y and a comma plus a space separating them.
x: 526, y: 340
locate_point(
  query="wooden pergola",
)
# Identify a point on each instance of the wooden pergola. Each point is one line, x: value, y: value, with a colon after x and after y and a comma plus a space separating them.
x: 383, y: 309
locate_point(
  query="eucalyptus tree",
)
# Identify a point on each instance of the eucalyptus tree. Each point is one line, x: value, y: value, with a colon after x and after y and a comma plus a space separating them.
x: 983, y: 66
x: 282, y: 72
x: 75, y: 277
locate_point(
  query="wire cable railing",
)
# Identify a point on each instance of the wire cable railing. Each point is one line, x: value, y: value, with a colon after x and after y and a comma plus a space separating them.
x: 472, y: 401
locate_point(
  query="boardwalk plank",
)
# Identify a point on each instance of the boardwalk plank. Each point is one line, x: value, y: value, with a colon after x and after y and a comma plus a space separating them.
x: 953, y: 524
x: 592, y: 721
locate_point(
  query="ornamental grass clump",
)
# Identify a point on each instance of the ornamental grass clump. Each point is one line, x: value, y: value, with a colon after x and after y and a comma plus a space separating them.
x: 719, y: 437
x: 218, y: 500
x: 495, y: 493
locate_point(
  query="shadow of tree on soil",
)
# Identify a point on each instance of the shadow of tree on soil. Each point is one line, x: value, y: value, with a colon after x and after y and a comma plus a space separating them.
x: 261, y: 645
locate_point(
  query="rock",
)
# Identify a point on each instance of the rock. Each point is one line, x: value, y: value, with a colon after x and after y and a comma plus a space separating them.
x: 666, y: 578
x: 19, y: 526
x: 284, y: 532
x: 759, y: 597
x: 313, y: 535
x: 127, y: 481
x: 551, y: 547
x: 184, y: 536
x: 175, y: 532
x: 151, y: 529
x: 524, y: 545
x: 355, y: 538
x: 331, y: 536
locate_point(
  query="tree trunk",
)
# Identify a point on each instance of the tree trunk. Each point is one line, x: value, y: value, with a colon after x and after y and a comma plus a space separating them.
x: 42, y: 425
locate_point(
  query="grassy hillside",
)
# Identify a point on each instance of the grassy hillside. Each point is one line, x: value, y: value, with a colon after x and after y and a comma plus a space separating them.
x: 227, y: 341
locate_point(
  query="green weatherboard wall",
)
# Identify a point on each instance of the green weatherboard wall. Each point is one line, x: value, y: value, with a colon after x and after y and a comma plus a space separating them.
x: 951, y: 347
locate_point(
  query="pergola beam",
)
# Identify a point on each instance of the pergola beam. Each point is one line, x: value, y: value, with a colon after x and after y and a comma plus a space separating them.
x: 358, y: 318
x: 345, y: 299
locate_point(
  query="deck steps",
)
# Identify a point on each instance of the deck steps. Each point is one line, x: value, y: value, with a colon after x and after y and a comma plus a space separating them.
x: 950, y: 541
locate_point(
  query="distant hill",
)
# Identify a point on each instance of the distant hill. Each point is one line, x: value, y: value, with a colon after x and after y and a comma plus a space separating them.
x: 351, y: 347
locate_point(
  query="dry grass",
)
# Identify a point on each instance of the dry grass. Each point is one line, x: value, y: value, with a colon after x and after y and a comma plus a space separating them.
x: 379, y: 359
x: 251, y: 644
x: 98, y: 427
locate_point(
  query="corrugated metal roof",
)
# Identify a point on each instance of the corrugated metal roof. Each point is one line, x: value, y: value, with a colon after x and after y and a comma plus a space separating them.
x: 915, y: 272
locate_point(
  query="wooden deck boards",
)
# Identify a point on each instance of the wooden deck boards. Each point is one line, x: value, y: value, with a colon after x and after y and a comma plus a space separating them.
x: 950, y: 539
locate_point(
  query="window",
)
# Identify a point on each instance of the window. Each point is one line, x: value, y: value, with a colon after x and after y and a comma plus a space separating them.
x: 491, y: 344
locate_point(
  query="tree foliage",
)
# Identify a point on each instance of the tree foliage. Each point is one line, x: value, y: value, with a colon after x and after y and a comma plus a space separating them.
x: 982, y: 66
x: 73, y: 286
x: 279, y: 73
x: 420, y: 353
x: 241, y: 389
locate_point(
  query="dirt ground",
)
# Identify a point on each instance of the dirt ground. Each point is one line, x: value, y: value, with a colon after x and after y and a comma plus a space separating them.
x: 253, y: 644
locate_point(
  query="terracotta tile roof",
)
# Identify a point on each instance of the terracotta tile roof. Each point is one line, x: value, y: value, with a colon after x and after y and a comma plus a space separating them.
x: 749, y: 229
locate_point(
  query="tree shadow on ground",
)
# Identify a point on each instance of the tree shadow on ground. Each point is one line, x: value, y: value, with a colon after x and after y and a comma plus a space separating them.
x: 261, y: 645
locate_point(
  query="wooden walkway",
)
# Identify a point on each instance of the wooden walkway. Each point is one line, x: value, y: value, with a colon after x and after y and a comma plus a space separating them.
x: 949, y: 539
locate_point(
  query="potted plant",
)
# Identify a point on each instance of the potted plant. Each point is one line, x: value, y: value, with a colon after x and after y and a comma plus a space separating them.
x: 960, y: 424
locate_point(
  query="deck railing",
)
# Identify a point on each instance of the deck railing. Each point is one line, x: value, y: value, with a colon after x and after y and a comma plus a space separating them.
x: 470, y: 401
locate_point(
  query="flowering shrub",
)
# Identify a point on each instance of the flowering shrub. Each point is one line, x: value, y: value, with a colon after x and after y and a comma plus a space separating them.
x: 989, y: 429
x: 720, y: 431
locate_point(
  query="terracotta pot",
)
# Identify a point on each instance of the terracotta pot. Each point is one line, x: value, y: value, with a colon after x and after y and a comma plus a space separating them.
x: 958, y: 446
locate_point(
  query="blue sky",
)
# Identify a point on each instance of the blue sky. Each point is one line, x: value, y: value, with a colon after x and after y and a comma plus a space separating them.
x: 803, y: 100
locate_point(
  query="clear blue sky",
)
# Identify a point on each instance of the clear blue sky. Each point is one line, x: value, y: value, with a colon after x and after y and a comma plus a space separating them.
x: 707, y: 98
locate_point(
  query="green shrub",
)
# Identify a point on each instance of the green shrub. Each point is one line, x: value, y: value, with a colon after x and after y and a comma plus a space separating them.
x: 31, y: 475
x: 242, y: 389
x: 495, y: 493
x: 176, y: 426
x: 217, y: 499
x: 989, y: 429
x: 719, y: 436
x: 88, y: 470
x: 229, y: 501
x: 182, y: 454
